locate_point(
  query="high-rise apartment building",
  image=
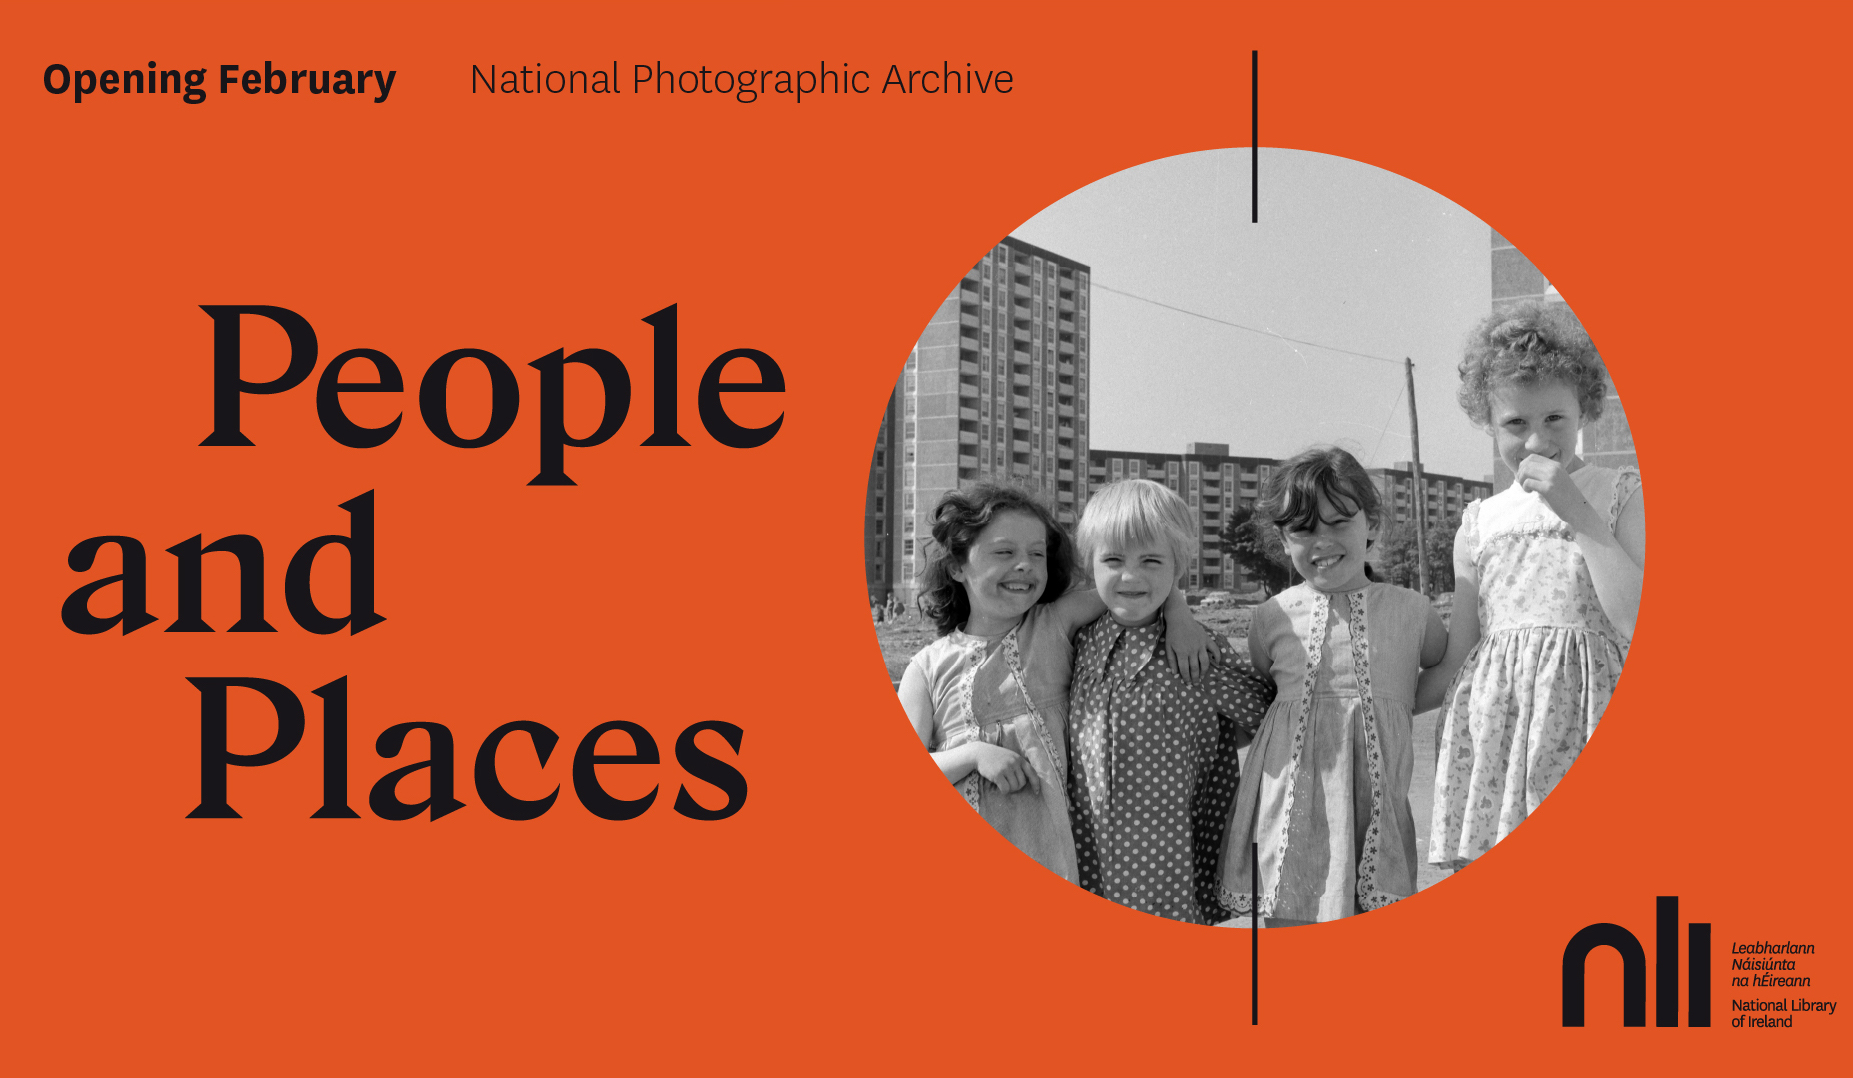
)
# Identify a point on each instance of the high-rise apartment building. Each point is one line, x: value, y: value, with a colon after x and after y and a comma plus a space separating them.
x: 1447, y: 494
x: 996, y: 388
x: 1607, y: 441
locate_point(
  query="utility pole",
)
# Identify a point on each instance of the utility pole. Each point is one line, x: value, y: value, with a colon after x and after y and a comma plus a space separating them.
x: 1420, y: 493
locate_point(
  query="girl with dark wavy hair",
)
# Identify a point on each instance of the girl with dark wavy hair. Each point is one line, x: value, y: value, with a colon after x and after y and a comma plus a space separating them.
x: 1547, y: 584
x: 989, y: 697
x: 1326, y: 791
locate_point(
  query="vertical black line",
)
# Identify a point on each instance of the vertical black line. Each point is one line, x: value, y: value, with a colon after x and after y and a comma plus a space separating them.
x: 1698, y: 974
x: 1254, y: 933
x: 1254, y: 136
x: 1666, y: 960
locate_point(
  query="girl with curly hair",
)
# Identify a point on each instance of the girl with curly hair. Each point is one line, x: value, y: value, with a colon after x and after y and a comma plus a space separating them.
x: 989, y: 697
x: 1547, y: 584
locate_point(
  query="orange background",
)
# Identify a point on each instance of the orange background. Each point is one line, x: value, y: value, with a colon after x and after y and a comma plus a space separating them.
x: 1681, y: 175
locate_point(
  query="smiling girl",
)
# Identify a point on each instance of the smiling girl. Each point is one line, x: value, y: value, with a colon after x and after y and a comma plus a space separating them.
x: 1325, y: 794
x: 1547, y: 583
x: 989, y: 697
x: 1155, y: 766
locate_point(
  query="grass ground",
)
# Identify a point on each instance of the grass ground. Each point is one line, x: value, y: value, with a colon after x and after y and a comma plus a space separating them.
x: 900, y: 640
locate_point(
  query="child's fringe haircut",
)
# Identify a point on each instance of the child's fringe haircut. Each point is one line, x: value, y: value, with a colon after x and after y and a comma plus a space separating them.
x: 1292, y: 498
x: 1136, y: 512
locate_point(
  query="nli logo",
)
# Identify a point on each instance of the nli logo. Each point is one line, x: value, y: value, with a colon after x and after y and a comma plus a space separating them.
x: 1634, y: 969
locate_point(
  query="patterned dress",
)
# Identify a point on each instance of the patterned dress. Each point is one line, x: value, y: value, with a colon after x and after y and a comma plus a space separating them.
x: 1010, y: 690
x: 1155, y: 771
x: 1326, y: 792
x: 1534, y: 687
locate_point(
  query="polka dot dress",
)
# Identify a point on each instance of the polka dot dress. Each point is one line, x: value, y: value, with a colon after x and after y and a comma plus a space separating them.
x: 1153, y: 772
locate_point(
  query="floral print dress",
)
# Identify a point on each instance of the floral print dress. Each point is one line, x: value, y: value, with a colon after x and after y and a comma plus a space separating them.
x: 1010, y: 690
x: 1533, y: 689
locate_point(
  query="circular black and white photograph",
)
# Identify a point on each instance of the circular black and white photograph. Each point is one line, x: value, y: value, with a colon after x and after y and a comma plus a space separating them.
x: 1254, y: 563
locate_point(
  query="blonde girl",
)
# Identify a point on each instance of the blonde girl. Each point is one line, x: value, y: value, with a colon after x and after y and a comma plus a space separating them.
x: 989, y: 696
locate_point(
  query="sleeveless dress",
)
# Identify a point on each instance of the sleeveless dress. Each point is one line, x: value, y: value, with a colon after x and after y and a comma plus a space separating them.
x: 1010, y: 690
x: 1326, y: 789
x: 1533, y: 689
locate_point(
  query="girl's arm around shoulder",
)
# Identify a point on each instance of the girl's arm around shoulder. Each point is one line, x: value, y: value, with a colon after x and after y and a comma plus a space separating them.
x: 1434, y: 631
x: 1189, y: 644
x: 1459, y: 637
x: 1258, y: 656
x: 1237, y: 691
x: 1191, y: 647
x: 1434, y: 639
x: 1078, y: 606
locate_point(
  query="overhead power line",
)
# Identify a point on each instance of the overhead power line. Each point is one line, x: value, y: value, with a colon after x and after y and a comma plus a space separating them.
x: 1238, y: 325
x: 1391, y: 418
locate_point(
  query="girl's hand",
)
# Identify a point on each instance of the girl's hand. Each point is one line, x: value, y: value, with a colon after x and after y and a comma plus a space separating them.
x: 1190, y: 650
x: 1190, y: 646
x: 1549, y: 479
x: 1006, y: 770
